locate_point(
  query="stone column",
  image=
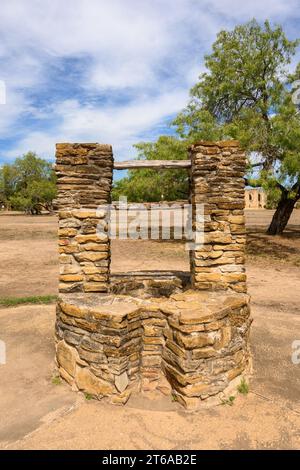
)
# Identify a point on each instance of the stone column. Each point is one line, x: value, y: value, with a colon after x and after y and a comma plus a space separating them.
x: 84, y: 174
x: 217, y: 182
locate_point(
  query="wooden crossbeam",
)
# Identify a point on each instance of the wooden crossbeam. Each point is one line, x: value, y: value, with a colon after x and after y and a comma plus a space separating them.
x: 159, y: 164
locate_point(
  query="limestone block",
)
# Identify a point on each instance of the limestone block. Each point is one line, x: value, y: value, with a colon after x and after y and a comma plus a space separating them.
x: 89, y: 383
x: 208, y: 277
x: 121, y: 382
x: 94, y: 247
x: 65, y: 259
x: 194, y: 390
x: 66, y: 357
x: 217, y: 237
x: 203, y: 353
x: 67, y: 232
x: 68, y: 249
x: 121, y: 398
x: 94, y: 287
x: 73, y: 310
x: 85, y: 214
x: 194, y: 340
x: 236, y: 219
x: 92, y: 237
x: 91, y: 256
x: 70, y: 277
x: 67, y: 287
x: 69, y: 269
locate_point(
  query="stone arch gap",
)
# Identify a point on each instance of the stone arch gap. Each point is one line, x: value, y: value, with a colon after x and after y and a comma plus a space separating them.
x: 159, y: 221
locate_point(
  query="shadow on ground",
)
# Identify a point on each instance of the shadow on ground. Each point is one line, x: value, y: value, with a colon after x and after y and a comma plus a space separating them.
x: 285, y: 247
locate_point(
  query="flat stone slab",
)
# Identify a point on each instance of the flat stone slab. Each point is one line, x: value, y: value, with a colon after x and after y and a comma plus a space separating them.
x: 189, y: 307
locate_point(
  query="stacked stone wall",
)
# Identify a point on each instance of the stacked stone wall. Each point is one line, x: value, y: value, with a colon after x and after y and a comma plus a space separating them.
x: 189, y: 347
x: 84, y: 180
x: 217, y: 184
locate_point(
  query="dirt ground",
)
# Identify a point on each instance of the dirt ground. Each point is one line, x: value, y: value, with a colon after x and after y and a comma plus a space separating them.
x: 36, y: 413
x: 28, y: 252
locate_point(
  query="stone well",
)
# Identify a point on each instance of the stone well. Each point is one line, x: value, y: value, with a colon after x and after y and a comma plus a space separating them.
x: 185, y: 337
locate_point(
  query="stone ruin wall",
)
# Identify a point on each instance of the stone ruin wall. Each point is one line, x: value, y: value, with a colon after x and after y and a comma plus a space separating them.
x: 84, y: 173
x: 255, y: 198
x: 191, y: 344
x: 217, y: 182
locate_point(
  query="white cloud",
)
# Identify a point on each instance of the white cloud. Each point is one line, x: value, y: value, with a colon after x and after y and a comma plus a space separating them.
x: 121, y: 126
x: 141, y: 56
x: 261, y: 10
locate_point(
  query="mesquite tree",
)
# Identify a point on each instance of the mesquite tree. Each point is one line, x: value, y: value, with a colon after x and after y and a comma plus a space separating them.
x: 28, y: 184
x: 152, y: 185
x: 246, y: 94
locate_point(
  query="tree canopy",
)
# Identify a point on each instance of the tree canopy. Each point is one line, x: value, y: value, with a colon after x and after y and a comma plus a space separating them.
x: 245, y: 94
x: 152, y: 185
x: 28, y: 184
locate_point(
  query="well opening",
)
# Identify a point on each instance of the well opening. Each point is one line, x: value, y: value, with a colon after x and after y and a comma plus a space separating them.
x: 150, y: 236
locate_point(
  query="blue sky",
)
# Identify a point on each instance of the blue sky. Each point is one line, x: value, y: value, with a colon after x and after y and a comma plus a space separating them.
x: 111, y: 71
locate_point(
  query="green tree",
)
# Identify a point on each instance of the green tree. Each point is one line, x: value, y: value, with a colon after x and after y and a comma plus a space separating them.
x: 28, y: 184
x: 8, y: 178
x: 155, y: 185
x: 246, y: 94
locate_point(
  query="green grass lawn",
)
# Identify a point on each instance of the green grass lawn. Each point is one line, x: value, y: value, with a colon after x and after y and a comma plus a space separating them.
x: 39, y: 299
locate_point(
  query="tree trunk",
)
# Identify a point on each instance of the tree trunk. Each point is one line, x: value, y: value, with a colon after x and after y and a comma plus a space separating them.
x: 282, y: 214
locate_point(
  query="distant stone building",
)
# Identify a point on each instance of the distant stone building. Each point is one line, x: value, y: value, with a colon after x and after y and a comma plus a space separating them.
x: 255, y: 198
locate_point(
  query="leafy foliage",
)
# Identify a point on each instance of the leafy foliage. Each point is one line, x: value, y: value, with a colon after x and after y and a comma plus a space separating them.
x: 28, y: 184
x: 155, y: 185
x: 246, y: 95
x: 243, y: 387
